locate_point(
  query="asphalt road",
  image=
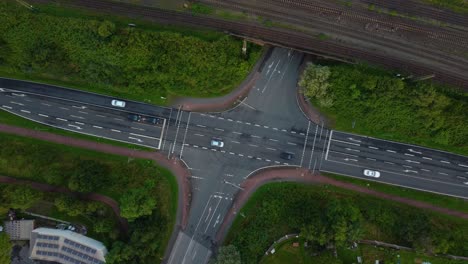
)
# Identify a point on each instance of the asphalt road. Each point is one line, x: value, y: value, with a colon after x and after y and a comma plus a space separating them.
x: 254, y: 133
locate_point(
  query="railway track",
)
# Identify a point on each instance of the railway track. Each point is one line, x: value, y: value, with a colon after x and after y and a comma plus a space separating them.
x: 280, y: 37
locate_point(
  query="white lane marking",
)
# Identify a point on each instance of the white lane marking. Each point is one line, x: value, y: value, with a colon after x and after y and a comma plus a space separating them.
x: 43, y: 115
x: 195, y: 146
x: 267, y: 160
x: 252, y: 145
x: 219, y: 129
x: 277, y: 162
x: 199, y: 135
x: 237, y: 142
x: 64, y: 108
x: 407, y: 154
x: 232, y: 153
x: 461, y: 177
x: 138, y: 135
x: 294, y: 132
x: 45, y: 104
x: 255, y: 136
x: 413, y: 161
x: 115, y: 130
x: 77, y: 127
x: 290, y: 143
x: 355, y: 150
x: 240, y: 155
x: 463, y: 165
x: 229, y: 119
x: 391, y: 151
x: 203, y: 114
x: 6, y: 106
x: 249, y: 157
x: 118, y: 119
x: 286, y: 163
x: 25, y: 111
x: 410, y: 171
x: 443, y: 173
x: 16, y: 103
x: 348, y: 159
x: 406, y: 166
x: 444, y: 161
x: 98, y: 127
x: 239, y: 133
x: 302, y: 134
x: 83, y: 112
x: 273, y: 140
x: 388, y: 162
x: 79, y: 123
x: 137, y: 139
x: 427, y: 158
x: 425, y: 170
x: 200, y: 126
x: 195, y: 177
x: 259, y: 158
x: 100, y: 115
x: 355, y: 140
x: 220, y: 117
x: 213, y: 149
x: 329, y: 141
x: 371, y: 147
x: 417, y: 152
x: 79, y: 117
x: 61, y: 119
x: 204, y: 148
x: 137, y: 128
x: 80, y: 107
x: 284, y: 130
x: 344, y: 153
x: 223, y: 151
x: 16, y: 94
x: 238, y: 121
x: 371, y: 159
x: 271, y: 149
x: 345, y: 142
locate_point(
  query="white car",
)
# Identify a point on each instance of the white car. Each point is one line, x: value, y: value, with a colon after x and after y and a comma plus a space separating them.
x: 216, y: 142
x: 118, y: 103
x: 372, y: 173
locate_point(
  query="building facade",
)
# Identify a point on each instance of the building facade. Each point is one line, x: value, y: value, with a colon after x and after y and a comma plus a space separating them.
x: 19, y: 229
x: 64, y: 246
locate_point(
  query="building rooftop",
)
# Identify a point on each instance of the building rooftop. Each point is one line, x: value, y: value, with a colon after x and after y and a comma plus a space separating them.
x: 19, y: 229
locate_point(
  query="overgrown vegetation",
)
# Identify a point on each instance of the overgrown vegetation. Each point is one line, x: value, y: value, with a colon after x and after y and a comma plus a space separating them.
x: 385, y: 106
x: 459, y: 6
x: 5, y: 248
x: 147, y: 194
x: 105, y: 56
x: 330, y: 217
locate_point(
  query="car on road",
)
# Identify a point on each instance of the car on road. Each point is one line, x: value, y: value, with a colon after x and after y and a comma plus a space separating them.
x: 217, y: 142
x: 118, y: 103
x: 134, y: 117
x: 287, y: 155
x: 153, y: 120
x: 371, y: 173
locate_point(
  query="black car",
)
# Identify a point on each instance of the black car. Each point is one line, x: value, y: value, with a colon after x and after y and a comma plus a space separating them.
x: 134, y: 117
x: 153, y: 120
x: 287, y: 155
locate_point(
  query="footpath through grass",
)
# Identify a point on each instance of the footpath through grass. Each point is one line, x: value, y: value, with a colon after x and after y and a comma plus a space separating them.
x: 444, y: 201
x: 146, y: 193
x: 287, y: 253
x: 101, y: 53
x: 326, y: 215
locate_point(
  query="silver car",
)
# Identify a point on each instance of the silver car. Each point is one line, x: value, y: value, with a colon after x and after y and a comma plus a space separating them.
x: 371, y: 173
x: 118, y: 103
x: 217, y: 142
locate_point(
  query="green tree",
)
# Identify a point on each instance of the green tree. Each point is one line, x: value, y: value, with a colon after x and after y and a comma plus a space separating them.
x: 106, y: 29
x: 103, y: 225
x: 5, y: 248
x: 228, y: 255
x: 314, y: 81
x: 20, y: 196
x: 138, y: 201
x: 88, y: 175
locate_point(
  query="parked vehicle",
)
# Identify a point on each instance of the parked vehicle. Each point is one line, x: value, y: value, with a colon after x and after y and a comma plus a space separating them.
x: 371, y: 173
x: 118, y: 103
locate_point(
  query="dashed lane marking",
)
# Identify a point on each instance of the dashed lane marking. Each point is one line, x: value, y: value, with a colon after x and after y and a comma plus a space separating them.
x: 391, y: 151
x: 290, y: 143
x: 426, y: 170
x: 371, y: 159
x: 252, y: 145
x: 83, y: 112
x: 427, y: 158
x: 240, y: 155
x: 100, y: 115
x: 237, y: 142
x: 388, y: 162
x: 6, y: 106
x: 43, y: 115
x: 463, y: 165
x: 16, y: 103
x: 115, y: 130
x: 277, y: 162
x: 249, y: 157
x: 235, y: 132
x: 271, y: 149
x: 442, y: 173
x: 232, y: 153
x: 199, y: 135
x: 406, y: 166
x: 259, y: 158
x: 196, y: 177
x: 137, y: 128
x: 118, y: 119
x: 219, y: 129
x: 61, y: 119
x: 255, y: 136
x: 274, y: 140
x: 413, y: 161
x: 200, y: 126
x: 64, y: 108
x: 79, y: 123
x: 79, y: 117
x: 97, y: 127
x: 371, y: 147
x: 204, y: 148
x: 266, y: 126
x: 25, y: 111
x: 444, y: 161
x: 46, y: 104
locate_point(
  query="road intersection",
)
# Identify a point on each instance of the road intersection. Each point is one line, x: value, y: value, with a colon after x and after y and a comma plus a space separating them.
x: 262, y: 126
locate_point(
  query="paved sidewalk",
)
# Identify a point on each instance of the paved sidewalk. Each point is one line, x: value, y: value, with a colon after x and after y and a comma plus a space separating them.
x: 302, y: 175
